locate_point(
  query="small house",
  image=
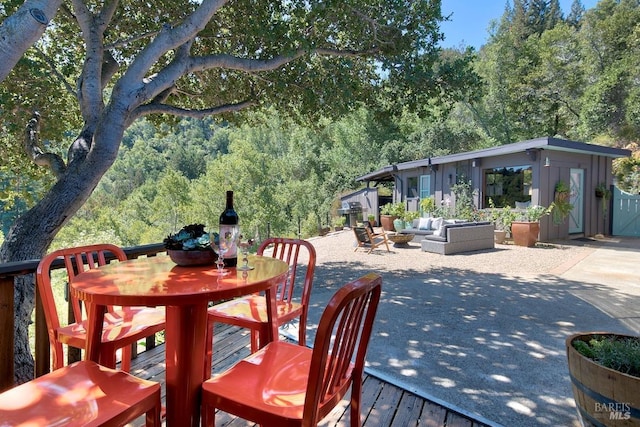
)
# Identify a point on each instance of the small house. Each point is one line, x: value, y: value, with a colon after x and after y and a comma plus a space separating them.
x: 515, y: 175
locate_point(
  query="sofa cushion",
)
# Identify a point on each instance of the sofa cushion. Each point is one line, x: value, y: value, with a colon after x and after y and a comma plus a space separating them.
x: 435, y: 238
x: 436, y: 223
x: 424, y: 223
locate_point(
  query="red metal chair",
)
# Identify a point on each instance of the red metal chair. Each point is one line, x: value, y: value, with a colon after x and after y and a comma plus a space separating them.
x: 285, y: 384
x: 123, y: 326
x: 81, y: 394
x: 250, y: 312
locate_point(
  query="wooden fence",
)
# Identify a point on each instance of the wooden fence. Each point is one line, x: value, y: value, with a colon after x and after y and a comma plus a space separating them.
x: 8, y: 273
x: 625, y: 214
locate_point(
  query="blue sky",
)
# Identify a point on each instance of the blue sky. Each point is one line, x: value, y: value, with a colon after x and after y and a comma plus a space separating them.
x: 470, y: 20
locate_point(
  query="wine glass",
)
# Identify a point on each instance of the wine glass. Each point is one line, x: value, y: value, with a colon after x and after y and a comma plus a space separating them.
x: 228, y: 241
x: 219, y: 250
x: 244, y: 248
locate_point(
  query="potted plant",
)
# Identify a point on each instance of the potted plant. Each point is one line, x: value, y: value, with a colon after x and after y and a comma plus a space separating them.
x: 605, y: 376
x: 389, y: 213
x: 338, y: 222
x: 190, y: 246
x: 603, y: 193
x: 409, y: 216
x: 501, y: 219
x: 428, y: 205
x: 561, y: 202
x: 526, y: 229
x: 372, y: 220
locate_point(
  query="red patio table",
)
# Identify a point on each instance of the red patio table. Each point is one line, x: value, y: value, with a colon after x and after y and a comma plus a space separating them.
x: 185, y: 292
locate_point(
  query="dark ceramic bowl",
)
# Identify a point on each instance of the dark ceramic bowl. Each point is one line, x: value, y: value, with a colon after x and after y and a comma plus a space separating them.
x: 190, y: 258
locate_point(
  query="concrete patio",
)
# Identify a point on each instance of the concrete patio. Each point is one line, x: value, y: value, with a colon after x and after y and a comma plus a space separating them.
x: 483, y: 332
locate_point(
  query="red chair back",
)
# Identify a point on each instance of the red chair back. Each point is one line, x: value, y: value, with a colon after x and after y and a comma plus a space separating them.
x: 284, y: 384
x: 340, y: 347
x: 291, y: 251
x: 76, y: 261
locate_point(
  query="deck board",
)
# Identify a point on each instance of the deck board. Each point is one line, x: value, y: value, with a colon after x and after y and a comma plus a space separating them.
x: 383, y: 404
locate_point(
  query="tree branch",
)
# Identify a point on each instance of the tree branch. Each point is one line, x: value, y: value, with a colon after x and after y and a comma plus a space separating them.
x: 39, y: 157
x: 22, y: 29
x: 256, y: 65
x: 55, y: 71
x: 155, y: 108
x: 172, y: 38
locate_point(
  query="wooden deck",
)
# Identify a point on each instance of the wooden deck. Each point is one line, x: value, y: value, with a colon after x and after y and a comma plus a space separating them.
x: 383, y: 404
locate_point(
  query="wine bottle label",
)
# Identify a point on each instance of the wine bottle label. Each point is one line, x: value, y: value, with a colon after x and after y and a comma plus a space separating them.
x: 230, y: 233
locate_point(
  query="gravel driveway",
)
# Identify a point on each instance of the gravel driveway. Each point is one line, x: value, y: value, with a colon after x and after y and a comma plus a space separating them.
x: 482, y: 332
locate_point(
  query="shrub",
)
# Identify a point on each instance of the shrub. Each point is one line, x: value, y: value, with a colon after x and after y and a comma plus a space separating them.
x: 619, y: 353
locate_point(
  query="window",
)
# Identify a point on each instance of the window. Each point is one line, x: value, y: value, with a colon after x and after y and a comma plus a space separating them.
x: 412, y: 187
x: 508, y: 185
x: 462, y: 173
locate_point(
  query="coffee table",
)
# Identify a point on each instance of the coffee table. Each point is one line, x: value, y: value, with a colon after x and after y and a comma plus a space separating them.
x: 401, y: 240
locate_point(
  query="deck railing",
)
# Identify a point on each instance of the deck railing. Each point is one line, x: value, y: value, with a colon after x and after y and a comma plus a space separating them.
x: 8, y: 273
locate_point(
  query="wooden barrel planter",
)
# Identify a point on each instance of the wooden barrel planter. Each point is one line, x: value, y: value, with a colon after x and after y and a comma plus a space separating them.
x: 604, y: 397
x: 525, y: 233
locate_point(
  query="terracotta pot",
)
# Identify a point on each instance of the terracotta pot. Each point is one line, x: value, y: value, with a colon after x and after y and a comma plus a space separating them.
x: 604, y: 397
x: 387, y: 222
x: 525, y: 233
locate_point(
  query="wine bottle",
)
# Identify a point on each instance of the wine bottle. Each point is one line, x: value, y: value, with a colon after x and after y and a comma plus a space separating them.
x: 229, y: 226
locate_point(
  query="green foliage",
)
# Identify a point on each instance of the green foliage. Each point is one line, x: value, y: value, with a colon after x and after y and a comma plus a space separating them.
x: 464, y: 206
x: 534, y: 213
x: 410, y: 216
x: 619, y: 353
x: 394, y: 209
x: 191, y: 237
x: 562, y: 206
x: 500, y: 217
x: 627, y: 173
x: 537, y: 76
x: 603, y: 191
x: 338, y: 221
x: 428, y: 204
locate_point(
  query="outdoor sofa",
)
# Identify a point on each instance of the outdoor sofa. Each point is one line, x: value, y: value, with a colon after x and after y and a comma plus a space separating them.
x: 451, y: 236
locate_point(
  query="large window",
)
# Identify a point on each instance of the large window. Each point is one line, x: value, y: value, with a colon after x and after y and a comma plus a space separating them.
x: 412, y: 187
x: 508, y: 185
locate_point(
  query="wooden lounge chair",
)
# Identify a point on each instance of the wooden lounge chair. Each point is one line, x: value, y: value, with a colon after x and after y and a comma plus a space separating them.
x: 367, y: 240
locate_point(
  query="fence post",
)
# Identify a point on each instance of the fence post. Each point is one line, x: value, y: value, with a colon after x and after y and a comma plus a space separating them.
x: 7, y: 335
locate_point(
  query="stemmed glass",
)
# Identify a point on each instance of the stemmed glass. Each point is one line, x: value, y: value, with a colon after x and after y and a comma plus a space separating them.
x: 220, y: 250
x: 244, y: 248
x: 228, y: 241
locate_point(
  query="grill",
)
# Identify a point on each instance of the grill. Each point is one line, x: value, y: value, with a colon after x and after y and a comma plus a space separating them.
x: 352, y: 211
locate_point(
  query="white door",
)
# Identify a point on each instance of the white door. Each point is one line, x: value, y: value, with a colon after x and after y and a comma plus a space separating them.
x: 576, y: 215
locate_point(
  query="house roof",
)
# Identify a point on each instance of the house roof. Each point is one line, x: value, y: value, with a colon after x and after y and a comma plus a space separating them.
x: 546, y: 143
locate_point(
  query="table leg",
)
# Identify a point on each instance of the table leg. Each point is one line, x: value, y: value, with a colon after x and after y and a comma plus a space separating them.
x: 184, y: 345
x: 270, y: 300
x: 95, y: 319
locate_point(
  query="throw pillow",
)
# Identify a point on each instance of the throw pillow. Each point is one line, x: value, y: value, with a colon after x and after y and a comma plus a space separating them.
x: 437, y: 223
x: 425, y: 223
x: 440, y: 231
